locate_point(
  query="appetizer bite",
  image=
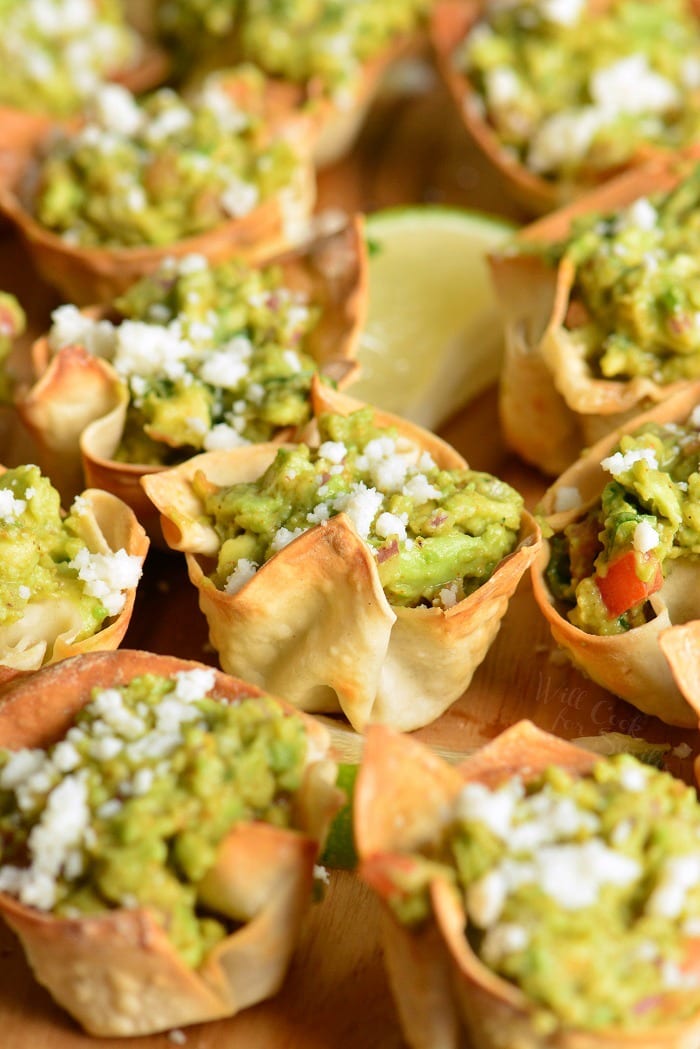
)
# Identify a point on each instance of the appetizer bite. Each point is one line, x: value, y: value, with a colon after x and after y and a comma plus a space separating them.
x: 102, y: 205
x: 620, y: 570
x: 600, y: 309
x: 325, y: 57
x: 68, y: 581
x: 539, y: 895
x: 365, y: 570
x: 160, y: 823
x: 560, y: 96
x: 193, y: 358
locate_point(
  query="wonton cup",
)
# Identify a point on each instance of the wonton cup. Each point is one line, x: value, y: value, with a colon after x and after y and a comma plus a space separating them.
x: 402, y: 794
x: 644, y: 665
x: 313, y: 624
x: 551, y: 405
x: 45, y: 633
x: 451, y: 20
x: 76, y: 410
x: 116, y: 972
x: 86, y: 275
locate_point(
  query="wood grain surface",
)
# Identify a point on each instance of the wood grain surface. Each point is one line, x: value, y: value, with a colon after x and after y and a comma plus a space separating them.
x: 336, y: 996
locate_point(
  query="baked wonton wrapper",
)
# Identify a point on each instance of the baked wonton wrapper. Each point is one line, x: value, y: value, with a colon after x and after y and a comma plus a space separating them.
x: 76, y: 409
x: 46, y: 632
x: 313, y: 624
x: 116, y: 972
x: 451, y: 21
x: 402, y: 794
x: 86, y: 275
x: 641, y: 665
x: 551, y: 405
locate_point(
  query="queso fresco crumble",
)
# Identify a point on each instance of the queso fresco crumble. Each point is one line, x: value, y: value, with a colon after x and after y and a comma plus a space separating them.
x: 436, y: 534
x: 564, y: 875
x: 159, y: 170
x: 44, y: 561
x: 570, y: 92
x: 129, y: 808
x: 213, y: 357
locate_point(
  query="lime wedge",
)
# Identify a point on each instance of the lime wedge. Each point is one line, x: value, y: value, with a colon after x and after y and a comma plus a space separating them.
x: 432, y: 340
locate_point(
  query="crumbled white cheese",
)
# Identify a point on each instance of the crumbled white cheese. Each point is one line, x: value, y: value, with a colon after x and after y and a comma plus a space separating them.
x: 223, y: 436
x: 631, y: 86
x: 494, y: 809
x: 108, y: 576
x: 334, y: 451
x: 680, y: 873
x: 191, y: 685
x: 10, y: 506
x: 284, y: 536
x: 645, y: 537
x: 239, y: 198
x: 563, y: 137
x: 486, y: 898
x: 420, y: 489
x: 391, y: 524
x: 24, y: 592
x: 117, y: 110
x: 562, y: 12
x: 502, y: 940
x: 619, y: 461
x: 361, y: 504
x: 242, y: 573
x: 566, y: 497
x: 640, y: 215
x: 70, y: 327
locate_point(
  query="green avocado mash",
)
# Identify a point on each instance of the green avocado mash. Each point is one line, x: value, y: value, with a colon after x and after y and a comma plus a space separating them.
x: 437, y: 534
x: 582, y: 891
x: 55, y: 53
x: 635, y: 301
x: 213, y: 357
x: 324, y: 41
x: 160, y: 170
x: 12, y: 323
x: 606, y: 564
x: 45, y: 561
x: 572, y: 92
x: 129, y: 809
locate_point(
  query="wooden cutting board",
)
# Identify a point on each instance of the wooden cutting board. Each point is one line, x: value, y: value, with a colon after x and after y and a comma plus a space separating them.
x: 336, y: 995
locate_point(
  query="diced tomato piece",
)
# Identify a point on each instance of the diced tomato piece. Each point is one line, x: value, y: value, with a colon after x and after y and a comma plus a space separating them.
x: 622, y: 589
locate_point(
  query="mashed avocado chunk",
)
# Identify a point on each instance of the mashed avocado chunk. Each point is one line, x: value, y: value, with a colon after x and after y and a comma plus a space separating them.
x: 582, y: 891
x: 636, y: 294
x: 45, y: 562
x: 213, y: 357
x: 325, y: 41
x: 130, y: 807
x: 436, y: 534
x: 12, y: 323
x: 55, y: 53
x: 573, y: 92
x: 160, y: 170
x: 606, y: 565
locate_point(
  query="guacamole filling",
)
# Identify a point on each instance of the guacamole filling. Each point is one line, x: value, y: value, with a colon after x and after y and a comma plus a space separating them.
x: 635, y: 300
x: 584, y: 891
x: 12, y: 324
x: 605, y: 565
x: 46, y: 563
x: 55, y: 53
x: 129, y: 808
x: 213, y: 357
x: 156, y: 171
x: 324, y: 41
x: 571, y: 93
x: 437, y: 535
